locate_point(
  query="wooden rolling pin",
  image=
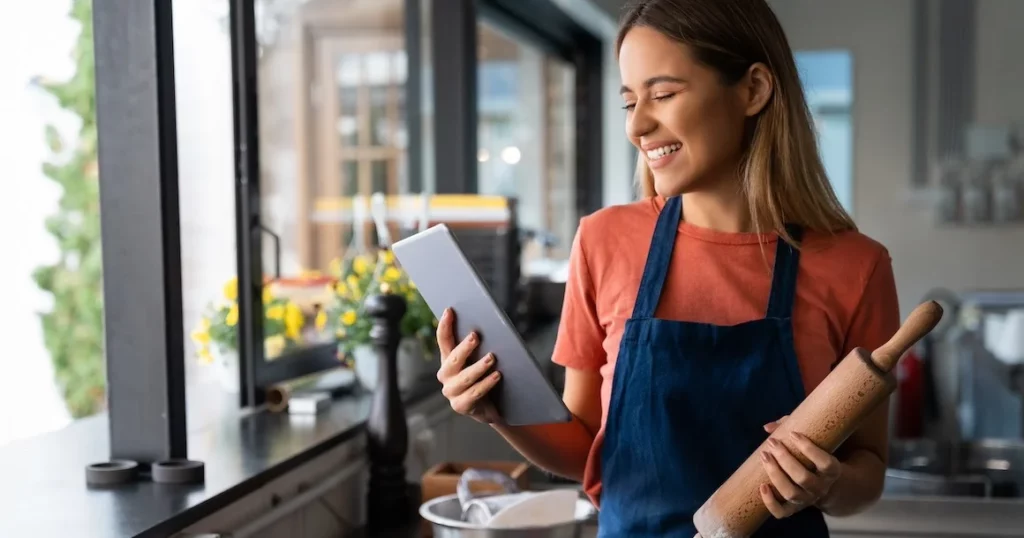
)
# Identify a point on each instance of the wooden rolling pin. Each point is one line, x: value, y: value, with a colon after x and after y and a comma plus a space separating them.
x: 833, y: 411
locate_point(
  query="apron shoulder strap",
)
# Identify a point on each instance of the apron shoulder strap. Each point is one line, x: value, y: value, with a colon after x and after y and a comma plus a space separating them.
x: 659, y: 256
x: 787, y: 262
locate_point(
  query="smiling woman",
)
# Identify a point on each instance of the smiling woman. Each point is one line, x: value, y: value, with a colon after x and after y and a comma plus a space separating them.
x: 684, y: 338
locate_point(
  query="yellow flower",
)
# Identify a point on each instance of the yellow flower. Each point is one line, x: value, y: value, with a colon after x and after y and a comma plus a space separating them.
x: 232, y: 318
x: 201, y: 336
x: 341, y: 289
x: 385, y: 287
x: 276, y: 312
x: 334, y: 267
x: 412, y: 285
x: 348, y: 318
x: 273, y: 346
x: 340, y: 333
x: 391, y: 274
x: 231, y: 289
x: 321, y: 320
x: 268, y: 295
x: 360, y: 265
x: 293, y: 321
x: 387, y: 257
x: 353, y: 284
x: 205, y: 357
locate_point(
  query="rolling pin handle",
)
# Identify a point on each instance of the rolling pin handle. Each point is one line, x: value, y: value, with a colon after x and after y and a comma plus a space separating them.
x: 921, y: 321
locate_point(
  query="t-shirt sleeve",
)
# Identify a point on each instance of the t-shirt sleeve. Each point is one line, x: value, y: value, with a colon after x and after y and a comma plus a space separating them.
x: 877, y: 315
x: 580, y: 333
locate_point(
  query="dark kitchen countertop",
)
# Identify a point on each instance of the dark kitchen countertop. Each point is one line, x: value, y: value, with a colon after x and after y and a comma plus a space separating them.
x: 45, y: 493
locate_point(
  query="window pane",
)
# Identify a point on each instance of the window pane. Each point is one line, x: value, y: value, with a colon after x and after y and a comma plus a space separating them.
x: 333, y: 126
x: 379, y: 176
x: 526, y: 137
x: 49, y: 207
x: 381, y: 122
x: 348, y: 122
x: 202, y: 65
x: 827, y: 77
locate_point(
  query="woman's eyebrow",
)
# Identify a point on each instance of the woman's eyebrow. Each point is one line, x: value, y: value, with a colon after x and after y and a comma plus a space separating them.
x: 652, y: 81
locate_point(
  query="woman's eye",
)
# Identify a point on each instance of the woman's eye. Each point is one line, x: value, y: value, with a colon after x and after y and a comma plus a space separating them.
x: 663, y: 96
x: 629, y: 106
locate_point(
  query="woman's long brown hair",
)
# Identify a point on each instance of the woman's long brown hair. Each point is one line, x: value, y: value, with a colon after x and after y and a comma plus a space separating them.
x: 783, y: 177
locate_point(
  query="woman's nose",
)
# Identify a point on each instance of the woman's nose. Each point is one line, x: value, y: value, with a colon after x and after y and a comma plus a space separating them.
x: 639, y: 122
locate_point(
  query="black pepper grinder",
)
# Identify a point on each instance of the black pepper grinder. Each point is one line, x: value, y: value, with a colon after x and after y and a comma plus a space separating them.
x: 389, y: 504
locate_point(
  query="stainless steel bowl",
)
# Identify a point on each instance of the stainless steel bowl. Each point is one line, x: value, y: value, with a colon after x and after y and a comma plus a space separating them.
x: 444, y: 515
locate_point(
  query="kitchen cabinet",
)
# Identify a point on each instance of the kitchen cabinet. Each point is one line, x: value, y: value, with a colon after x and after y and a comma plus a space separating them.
x: 436, y: 434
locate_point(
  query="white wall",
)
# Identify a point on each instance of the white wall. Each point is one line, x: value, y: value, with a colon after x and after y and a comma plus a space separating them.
x: 878, y: 33
x: 999, y: 88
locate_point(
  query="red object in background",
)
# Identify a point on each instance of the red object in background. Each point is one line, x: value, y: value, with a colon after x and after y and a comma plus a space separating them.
x: 910, y: 396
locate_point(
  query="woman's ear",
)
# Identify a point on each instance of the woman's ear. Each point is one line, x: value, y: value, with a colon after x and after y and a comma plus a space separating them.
x: 759, y: 85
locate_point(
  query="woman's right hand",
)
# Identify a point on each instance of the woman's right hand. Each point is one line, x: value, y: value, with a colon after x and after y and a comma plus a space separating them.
x: 465, y: 387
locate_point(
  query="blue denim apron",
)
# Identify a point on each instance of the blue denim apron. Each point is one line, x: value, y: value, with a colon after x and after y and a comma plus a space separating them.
x: 689, y: 402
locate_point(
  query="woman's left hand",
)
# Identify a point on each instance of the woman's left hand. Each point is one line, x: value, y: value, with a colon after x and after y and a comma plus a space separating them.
x: 798, y: 486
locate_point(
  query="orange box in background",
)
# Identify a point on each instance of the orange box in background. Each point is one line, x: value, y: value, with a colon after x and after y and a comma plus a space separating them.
x: 443, y: 479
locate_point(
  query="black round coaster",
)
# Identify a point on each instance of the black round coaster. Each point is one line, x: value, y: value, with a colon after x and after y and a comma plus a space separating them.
x: 178, y: 472
x: 109, y: 473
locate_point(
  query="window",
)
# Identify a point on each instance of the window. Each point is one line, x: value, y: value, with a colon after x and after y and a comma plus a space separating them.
x: 49, y: 223
x: 334, y: 118
x: 827, y: 77
x: 526, y: 136
x: 202, y: 72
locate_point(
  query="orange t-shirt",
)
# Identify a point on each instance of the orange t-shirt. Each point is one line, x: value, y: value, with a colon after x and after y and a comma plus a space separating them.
x: 845, y: 294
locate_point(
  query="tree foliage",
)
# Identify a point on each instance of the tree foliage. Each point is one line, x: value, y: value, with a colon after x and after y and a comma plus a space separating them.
x: 73, y: 328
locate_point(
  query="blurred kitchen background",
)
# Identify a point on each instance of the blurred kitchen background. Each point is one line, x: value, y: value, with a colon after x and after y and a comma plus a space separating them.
x: 919, y: 106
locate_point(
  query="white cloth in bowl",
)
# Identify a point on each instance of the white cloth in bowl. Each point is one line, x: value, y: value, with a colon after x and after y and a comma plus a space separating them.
x: 527, y: 509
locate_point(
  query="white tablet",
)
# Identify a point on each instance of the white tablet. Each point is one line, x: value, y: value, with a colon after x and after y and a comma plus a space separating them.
x: 446, y: 278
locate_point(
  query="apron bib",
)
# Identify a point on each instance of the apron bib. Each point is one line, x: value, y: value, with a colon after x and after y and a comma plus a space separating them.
x: 689, y: 402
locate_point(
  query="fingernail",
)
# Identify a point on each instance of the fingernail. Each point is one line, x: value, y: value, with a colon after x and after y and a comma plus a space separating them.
x: 444, y: 315
x: 496, y: 375
x: 794, y: 435
x: 773, y: 441
x: 472, y: 337
x: 765, y: 457
x: 488, y: 359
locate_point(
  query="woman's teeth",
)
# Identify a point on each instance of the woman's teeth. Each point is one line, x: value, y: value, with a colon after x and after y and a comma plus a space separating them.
x: 658, y: 153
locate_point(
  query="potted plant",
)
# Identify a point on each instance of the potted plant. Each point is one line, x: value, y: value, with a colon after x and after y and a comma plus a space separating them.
x: 216, y: 337
x: 355, y: 279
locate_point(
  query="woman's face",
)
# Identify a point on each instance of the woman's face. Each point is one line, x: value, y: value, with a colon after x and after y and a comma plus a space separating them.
x: 686, y: 123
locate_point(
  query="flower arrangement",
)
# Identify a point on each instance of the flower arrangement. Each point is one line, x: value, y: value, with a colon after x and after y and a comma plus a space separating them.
x: 283, y: 322
x: 362, y: 275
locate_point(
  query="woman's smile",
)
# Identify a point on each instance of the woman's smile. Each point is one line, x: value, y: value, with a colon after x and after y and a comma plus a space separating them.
x: 662, y: 155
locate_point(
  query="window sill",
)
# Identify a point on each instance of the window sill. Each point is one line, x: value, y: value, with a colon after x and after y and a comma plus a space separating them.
x: 44, y: 477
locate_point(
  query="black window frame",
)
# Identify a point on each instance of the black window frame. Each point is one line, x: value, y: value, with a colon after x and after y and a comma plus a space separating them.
x: 140, y: 229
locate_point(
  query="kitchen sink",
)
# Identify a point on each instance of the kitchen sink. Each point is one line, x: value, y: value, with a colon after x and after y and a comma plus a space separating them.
x: 981, y: 468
